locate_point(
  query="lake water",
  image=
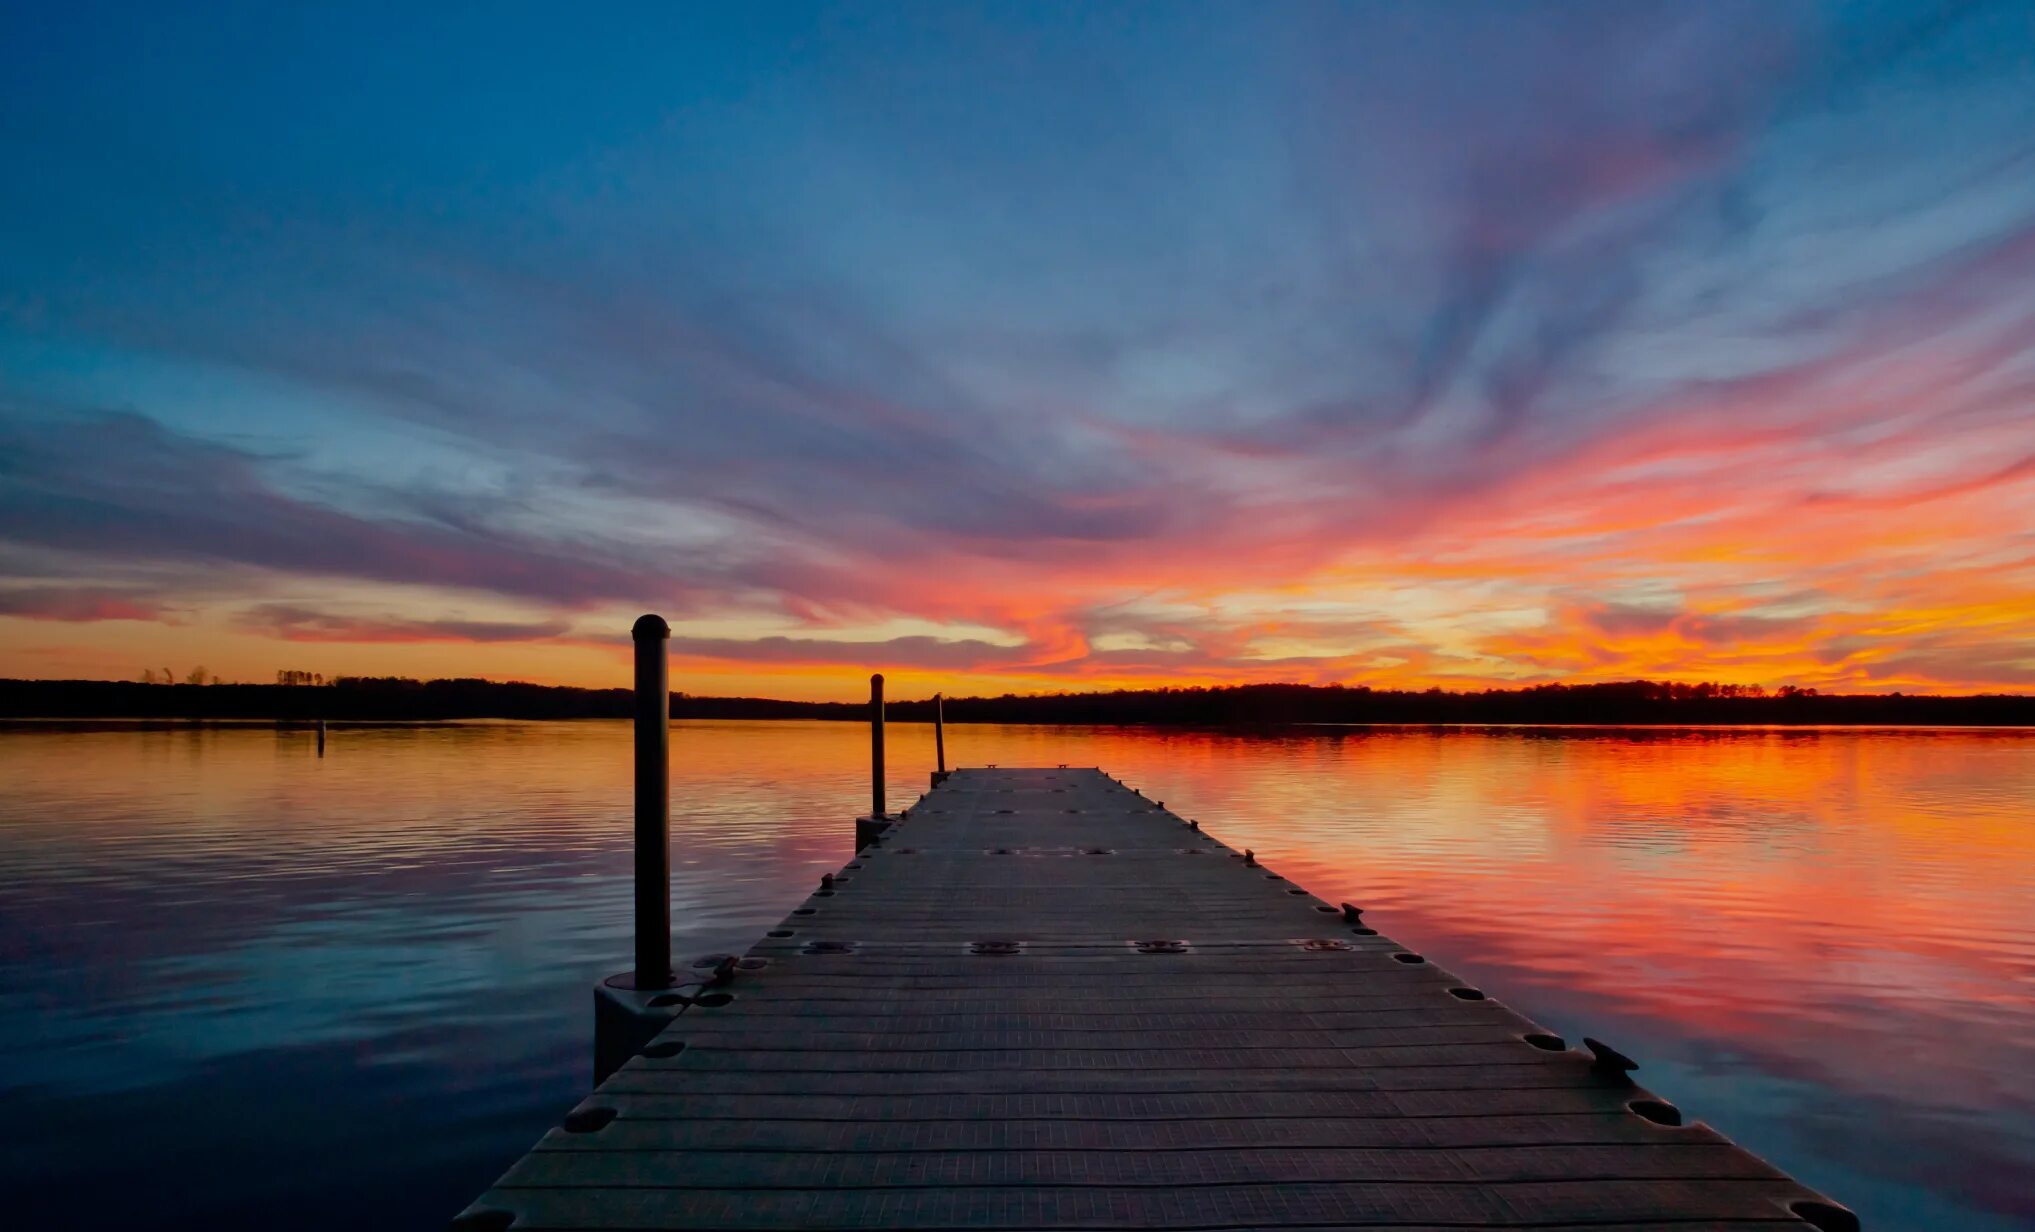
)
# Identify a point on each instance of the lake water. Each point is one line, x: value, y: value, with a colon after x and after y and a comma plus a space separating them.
x: 241, y: 985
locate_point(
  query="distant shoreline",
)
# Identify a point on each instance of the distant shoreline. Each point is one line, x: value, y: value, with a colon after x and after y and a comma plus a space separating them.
x: 1631, y: 703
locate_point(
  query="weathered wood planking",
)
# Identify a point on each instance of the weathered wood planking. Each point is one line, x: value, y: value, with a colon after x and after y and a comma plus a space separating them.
x: 1043, y: 1001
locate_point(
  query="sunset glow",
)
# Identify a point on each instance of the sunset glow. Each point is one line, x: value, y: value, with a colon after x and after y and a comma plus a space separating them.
x: 1024, y: 348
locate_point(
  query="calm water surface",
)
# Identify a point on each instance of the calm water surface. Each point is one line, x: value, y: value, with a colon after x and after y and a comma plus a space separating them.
x: 241, y: 985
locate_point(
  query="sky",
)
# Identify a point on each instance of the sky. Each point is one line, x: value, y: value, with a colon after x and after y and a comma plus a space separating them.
x: 1022, y: 347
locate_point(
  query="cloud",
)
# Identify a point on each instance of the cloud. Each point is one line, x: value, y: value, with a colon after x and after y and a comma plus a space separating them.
x: 298, y: 624
x: 1615, y: 621
x: 123, y: 487
x: 82, y: 603
x: 960, y: 654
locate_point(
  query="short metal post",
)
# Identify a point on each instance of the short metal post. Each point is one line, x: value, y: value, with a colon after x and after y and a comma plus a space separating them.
x: 653, y: 803
x: 876, y: 745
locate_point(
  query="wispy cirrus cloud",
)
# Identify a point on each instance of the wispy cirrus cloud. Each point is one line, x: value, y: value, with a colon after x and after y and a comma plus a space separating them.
x: 298, y: 624
x: 82, y: 603
x: 120, y: 486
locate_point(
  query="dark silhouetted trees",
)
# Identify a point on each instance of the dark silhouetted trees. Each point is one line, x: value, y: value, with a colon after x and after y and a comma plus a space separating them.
x: 401, y: 698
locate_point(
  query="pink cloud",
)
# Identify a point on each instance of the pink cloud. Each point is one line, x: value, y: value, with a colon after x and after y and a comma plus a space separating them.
x: 83, y: 604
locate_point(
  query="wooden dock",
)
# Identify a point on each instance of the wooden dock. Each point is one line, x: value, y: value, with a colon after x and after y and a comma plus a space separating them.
x: 1043, y: 1001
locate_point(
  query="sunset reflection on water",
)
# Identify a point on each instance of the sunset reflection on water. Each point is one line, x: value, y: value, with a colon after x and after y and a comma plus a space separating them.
x: 323, y: 989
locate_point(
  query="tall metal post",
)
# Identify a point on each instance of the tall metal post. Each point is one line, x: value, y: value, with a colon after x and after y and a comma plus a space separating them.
x: 940, y: 733
x: 653, y: 803
x: 876, y: 745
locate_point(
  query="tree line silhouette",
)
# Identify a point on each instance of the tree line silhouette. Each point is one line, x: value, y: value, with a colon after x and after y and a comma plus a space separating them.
x: 397, y: 698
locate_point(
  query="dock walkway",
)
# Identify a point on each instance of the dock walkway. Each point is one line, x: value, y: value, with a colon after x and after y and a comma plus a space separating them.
x: 1044, y: 1001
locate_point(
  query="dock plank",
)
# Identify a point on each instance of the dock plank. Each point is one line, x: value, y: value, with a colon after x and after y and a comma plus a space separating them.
x: 1042, y: 1001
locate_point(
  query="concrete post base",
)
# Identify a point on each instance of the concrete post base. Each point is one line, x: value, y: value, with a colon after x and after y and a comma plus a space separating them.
x: 869, y: 829
x: 626, y: 1018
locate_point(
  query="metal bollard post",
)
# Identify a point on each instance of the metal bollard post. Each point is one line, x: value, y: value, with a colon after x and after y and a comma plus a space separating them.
x: 653, y: 803
x: 939, y: 738
x: 870, y: 829
x: 876, y: 745
x: 631, y: 1008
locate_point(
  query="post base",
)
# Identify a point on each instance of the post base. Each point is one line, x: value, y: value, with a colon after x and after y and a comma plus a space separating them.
x: 626, y: 1018
x: 940, y: 776
x: 869, y: 829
